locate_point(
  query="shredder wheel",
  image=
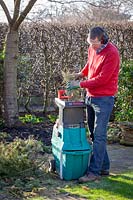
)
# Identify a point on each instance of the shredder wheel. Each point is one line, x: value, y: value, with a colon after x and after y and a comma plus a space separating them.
x: 52, y: 166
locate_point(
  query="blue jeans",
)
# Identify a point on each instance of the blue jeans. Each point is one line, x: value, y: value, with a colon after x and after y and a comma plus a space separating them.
x: 98, y: 113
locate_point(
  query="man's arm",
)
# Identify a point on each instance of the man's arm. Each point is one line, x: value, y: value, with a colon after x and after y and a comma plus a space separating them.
x: 109, y: 67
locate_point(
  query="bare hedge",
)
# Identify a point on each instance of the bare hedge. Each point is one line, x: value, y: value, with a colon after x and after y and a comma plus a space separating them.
x: 46, y: 49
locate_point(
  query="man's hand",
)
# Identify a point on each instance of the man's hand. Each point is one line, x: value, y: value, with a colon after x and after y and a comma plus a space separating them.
x: 72, y: 85
x: 78, y: 75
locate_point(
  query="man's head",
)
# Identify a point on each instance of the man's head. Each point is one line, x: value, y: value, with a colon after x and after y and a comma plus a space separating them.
x: 97, y: 36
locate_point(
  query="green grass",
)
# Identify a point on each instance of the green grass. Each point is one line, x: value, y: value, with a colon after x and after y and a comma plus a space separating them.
x: 50, y: 186
x: 118, y: 187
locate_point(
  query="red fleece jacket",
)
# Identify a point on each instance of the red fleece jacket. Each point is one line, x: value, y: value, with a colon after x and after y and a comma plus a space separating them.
x: 102, y: 72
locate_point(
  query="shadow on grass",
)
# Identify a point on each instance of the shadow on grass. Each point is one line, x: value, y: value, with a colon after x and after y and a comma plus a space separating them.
x: 113, y: 187
x: 49, y: 186
x: 42, y: 186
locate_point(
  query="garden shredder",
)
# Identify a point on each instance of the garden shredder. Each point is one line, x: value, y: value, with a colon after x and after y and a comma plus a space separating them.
x: 70, y: 148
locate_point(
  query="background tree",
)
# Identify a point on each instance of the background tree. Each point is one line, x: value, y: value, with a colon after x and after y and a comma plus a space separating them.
x: 10, y: 61
x: 96, y: 10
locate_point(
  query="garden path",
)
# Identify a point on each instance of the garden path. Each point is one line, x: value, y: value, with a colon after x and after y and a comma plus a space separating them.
x: 121, y: 158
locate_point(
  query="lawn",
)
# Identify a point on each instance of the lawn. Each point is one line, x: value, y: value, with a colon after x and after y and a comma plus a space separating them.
x: 119, y: 187
x: 41, y: 185
x: 115, y: 187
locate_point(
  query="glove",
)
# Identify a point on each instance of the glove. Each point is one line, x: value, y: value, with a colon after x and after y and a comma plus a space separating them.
x: 72, y: 85
x: 78, y: 76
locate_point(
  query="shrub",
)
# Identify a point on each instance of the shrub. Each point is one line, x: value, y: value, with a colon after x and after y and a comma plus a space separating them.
x: 19, y: 156
x: 124, y: 103
x: 31, y: 118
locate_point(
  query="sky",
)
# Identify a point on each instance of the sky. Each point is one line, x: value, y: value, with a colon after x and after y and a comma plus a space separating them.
x: 10, y: 3
x: 40, y: 4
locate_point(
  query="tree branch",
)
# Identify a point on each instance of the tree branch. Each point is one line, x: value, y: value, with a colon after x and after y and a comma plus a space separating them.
x: 68, y: 2
x: 16, y: 10
x: 3, y: 5
x: 73, y: 1
x: 24, y: 14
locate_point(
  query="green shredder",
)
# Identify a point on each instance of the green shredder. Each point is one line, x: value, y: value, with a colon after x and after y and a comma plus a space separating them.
x: 70, y: 147
x: 70, y: 139
x: 70, y: 165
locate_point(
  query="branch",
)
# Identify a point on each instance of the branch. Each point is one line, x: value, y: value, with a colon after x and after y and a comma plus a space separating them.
x: 71, y: 1
x: 24, y: 14
x: 3, y: 5
x: 16, y: 9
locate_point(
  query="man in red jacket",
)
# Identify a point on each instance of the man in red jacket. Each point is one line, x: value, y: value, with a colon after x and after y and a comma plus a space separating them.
x: 101, y: 70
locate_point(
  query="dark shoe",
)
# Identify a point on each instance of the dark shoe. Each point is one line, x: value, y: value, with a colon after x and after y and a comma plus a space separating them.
x: 104, y: 173
x: 87, y: 178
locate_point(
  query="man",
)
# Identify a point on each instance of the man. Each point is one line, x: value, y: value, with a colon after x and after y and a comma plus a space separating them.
x: 102, y: 71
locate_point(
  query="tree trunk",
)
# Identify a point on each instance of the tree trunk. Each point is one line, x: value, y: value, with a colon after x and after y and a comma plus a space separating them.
x: 1, y: 98
x: 10, y: 78
x: 1, y: 86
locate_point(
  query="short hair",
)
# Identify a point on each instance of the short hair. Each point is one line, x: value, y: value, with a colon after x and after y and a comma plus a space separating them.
x: 99, y: 33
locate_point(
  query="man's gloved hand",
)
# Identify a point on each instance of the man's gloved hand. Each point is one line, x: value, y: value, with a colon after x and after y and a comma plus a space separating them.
x: 71, y: 85
x: 78, y: 76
